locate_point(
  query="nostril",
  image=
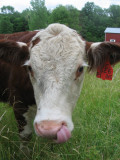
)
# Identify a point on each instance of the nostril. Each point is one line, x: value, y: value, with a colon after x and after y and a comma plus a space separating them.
x: 42, y: 126
x: 64, y: 124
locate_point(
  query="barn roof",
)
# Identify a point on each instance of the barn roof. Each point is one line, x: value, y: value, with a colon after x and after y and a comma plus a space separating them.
x: 112, y: 30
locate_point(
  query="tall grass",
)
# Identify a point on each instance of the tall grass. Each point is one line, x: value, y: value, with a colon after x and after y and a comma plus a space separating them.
x: 96, y: 135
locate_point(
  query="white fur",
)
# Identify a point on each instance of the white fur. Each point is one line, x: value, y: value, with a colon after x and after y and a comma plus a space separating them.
x: 27, y: 63
x: 21, y: 44
x: 29, y: 115
x: 94, y: 45
x: 54, y: 61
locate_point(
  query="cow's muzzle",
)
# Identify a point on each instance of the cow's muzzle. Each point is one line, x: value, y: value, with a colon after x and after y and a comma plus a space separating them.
x: 53, y: 129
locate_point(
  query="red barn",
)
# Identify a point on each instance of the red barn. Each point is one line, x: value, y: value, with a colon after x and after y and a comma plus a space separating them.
x: 112, y: 34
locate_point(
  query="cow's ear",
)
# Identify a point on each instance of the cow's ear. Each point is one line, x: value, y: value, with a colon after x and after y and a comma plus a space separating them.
x: 100, y: 52
x: 13, y: 52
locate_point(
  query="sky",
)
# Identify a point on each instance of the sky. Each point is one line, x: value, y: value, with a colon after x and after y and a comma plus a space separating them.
x: 20, y: 5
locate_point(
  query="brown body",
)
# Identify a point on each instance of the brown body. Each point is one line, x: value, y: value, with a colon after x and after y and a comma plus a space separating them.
x: 19, y: 36
x: 15, y: 84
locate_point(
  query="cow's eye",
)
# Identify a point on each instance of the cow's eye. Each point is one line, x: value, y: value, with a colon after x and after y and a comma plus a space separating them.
x: 79, y: 72
x: 80, y: 69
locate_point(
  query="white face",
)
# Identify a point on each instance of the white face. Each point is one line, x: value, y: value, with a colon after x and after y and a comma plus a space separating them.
x: 56, y: 78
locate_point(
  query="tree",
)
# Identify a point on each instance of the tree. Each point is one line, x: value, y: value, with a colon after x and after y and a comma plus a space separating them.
x: 5, y: 25
x: 59, y: 15
x: 93, y: 21
x: 12, y: 21
x: 20, y: 23
x: 114, y: 12
x: 73, y: 19
x: 38, y: 15
x: 67, y: 15
x: 7, y: 10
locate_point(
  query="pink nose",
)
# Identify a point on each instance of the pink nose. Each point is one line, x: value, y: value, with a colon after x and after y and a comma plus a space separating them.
x: 48, y: 128
x: 53, y: 129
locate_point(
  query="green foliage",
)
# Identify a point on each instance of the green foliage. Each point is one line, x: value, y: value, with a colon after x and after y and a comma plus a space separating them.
x: 12, y: 21
x: 7, y: 10
x: 90, y: 22
x: 59, y: 15
x: 5, y: 25
x: 73, y: 17
x: 19, y: 22
x: 114, y: 11
x: 93, y: 21
x: 67, y: 15
x: 38, y: 15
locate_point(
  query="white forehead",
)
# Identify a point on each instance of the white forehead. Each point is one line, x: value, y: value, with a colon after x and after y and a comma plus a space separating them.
x: 58, y: 45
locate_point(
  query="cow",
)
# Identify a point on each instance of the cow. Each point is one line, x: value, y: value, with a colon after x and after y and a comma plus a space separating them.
x: 44, y: 78
x: 19, y: 36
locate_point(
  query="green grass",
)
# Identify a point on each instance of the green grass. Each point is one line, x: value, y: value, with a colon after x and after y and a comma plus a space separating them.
x: 96, y: 135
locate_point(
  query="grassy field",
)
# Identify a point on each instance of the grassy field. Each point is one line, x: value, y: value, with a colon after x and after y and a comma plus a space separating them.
x: 96, y: 135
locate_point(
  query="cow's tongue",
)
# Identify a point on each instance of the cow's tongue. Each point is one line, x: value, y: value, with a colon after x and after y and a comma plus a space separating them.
x: 63, y: 135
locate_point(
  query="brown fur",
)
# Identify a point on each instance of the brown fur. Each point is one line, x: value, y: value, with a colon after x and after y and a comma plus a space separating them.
x: 100, y: 54
x: 27, y: 38
x: 15, y: 85
x: 36, y: 41
x: 19, y: 37
x: 88, y: 45
x: 11, y: 52
x: 13, y: 36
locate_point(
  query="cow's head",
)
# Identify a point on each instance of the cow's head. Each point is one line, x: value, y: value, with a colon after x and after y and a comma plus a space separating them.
x: 56, y: 66
x: 57, y: 57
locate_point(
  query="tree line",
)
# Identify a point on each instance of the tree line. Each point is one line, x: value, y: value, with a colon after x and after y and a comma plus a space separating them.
x: 90, y: 21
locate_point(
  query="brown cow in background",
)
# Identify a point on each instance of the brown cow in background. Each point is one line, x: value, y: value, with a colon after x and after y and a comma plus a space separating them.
x: 19, y: 36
